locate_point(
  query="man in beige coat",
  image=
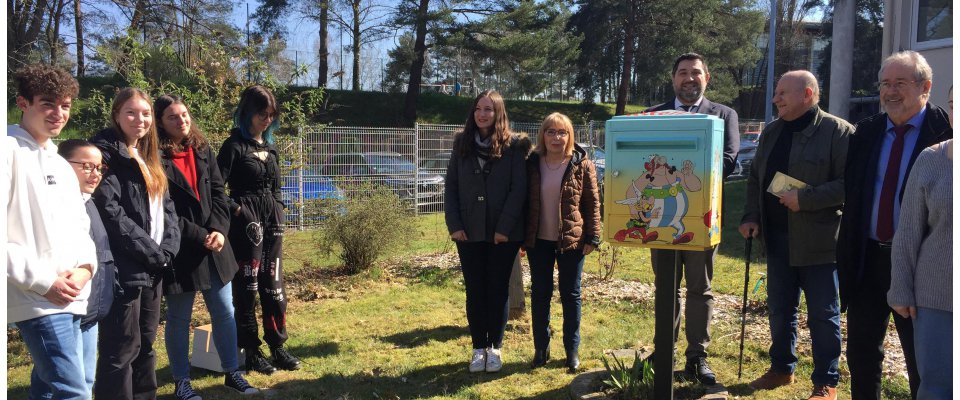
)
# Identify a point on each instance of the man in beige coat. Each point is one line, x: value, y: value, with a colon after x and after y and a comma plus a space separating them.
x: 799, y: 225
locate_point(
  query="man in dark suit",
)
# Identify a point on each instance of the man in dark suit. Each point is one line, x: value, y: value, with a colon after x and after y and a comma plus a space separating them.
x: 690, y: 78
x: 881, y: 153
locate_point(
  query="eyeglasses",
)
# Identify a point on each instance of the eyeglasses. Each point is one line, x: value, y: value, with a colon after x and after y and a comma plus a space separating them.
x: 89, y: 167
x: 556, y: 133
x: 267, y: 115
x: 899, y: 85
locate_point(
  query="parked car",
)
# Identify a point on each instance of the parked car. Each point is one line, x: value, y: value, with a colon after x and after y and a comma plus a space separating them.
x: 748, y: 149
x: 389, y: 169
x: 320, y: 195
x: 436, y: 163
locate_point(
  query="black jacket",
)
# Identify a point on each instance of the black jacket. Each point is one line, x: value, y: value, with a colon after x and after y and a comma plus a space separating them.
x: 731, y: 129
x: 244, y: 173
x: 488, y: 200
x: 198, y: 218
x: 862, y: 158
x: 104, y: 283
x: 125, y: 209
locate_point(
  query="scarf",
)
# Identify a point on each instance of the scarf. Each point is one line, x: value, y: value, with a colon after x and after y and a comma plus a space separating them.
x: 482, y: 146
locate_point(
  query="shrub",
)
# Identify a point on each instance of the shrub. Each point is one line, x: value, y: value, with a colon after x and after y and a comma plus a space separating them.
x: 371, y: 223
x: 631, y: 383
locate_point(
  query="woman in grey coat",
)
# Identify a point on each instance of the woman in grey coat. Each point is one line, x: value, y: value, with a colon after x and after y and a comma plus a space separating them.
x: 485, y: 192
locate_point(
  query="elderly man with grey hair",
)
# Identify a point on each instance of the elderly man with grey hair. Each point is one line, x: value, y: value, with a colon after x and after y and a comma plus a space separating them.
x: 799, y: 228
x: 881, y: 153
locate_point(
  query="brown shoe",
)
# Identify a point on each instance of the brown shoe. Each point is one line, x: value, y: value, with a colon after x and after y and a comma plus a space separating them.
x: 771, y: 380
x: 823, y: 392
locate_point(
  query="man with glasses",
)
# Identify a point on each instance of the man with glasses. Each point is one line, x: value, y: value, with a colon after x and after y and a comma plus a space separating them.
x: 50, y: 255
x: 881, y: 153
x: 690, y: 78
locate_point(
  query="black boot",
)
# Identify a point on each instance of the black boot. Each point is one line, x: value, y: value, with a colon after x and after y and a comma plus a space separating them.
x: 540, y: 357
x: 698, y: 368
x: 255, y: 361
x: 573, y: 361
x: 284, y: 359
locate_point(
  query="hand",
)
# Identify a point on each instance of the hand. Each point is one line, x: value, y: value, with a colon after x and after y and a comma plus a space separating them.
x: 523, y: 252
x: 906, y: 311
x: 237, y: 211
x: 214, y: 241
x: 749, y: 230
x: 791, y: 200
x: 500, y: 238
x: 62, y: 292
x: 79, y: 276
x: 687, y: 167
x: 459, y: 236
x: 588, y: 248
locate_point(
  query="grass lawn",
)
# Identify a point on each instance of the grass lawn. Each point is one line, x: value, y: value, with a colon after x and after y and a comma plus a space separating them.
x: 400, y: 332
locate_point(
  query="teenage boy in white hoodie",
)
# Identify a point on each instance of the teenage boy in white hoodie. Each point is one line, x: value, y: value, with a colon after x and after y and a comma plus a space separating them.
x: 50, y: 255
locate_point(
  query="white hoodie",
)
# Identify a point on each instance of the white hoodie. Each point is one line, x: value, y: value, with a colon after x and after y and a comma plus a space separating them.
x: 48, y: 231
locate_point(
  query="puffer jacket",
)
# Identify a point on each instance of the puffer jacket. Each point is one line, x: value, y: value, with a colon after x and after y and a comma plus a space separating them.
x: 486, y: 200
x: 579, y: 203
x: 122, y: 201
x: 103, y: 285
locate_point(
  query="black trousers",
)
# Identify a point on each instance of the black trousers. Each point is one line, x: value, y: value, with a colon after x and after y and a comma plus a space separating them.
x: 126, y: 366
x: 867, y: 318
x: 486, y: 276
x: 256, y: 236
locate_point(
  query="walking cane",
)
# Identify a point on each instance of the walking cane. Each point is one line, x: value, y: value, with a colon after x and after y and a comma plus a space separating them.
x: 743, y: 311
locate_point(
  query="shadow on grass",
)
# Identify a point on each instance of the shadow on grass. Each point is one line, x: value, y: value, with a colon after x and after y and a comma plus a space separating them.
x: 740, y: 389
x: 420, y: 337
x: 555, y: 394
x: 436, y: 380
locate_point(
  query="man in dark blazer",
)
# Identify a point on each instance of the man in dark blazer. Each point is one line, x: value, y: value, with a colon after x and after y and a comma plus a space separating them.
x: 881, y: 153
x: 690, y: 78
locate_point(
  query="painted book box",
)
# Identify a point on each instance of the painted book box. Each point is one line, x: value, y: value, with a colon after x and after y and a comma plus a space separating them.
x: 663, y: 181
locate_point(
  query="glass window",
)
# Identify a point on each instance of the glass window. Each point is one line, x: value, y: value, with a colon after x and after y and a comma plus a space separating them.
x: 934, y: 20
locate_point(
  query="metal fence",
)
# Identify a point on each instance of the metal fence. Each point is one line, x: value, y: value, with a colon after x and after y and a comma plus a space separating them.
x: 326, y: 164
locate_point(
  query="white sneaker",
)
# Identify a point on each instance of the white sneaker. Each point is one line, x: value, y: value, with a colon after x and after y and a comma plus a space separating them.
x: 494, y: 363
x: 478, y: 361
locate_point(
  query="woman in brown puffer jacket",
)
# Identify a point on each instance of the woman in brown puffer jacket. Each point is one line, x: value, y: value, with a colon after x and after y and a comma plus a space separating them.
x: 563, y: 226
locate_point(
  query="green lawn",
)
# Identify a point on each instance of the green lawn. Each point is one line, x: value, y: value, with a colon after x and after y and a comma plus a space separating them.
x: 399, y: 332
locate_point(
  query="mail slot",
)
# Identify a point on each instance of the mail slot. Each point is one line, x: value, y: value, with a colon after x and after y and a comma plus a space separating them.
x: 664, y: 180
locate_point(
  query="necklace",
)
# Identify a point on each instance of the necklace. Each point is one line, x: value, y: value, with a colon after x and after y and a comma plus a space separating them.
x: 545, y: 162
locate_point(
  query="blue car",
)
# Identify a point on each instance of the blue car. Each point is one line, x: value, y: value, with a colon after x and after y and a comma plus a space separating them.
x: 318, y: 191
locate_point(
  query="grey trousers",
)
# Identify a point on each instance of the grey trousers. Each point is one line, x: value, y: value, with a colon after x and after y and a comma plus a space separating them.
x: 697, y: 267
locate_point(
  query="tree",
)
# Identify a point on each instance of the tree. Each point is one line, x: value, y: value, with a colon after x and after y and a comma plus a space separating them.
x: 25, y: 19
x: 628, y: 47
x: 78, y: 26
x: 366, y: 22
x: 401, y: 59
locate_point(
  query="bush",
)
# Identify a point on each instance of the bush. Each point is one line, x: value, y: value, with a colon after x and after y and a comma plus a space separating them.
x: 371, y: 223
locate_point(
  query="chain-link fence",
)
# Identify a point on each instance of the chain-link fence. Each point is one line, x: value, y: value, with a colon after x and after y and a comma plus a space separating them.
x: 326, y: 164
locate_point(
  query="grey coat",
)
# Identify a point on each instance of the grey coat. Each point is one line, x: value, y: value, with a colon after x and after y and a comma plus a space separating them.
x: 818, y: 158
x: 487, y: 200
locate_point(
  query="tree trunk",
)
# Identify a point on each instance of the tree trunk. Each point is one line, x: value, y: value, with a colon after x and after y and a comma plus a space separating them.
x: 416, y: 68
x: 324, y: 51
x: 78, y: 21
x: 628, y: 45
x: 356, y: 45
x: 53, y: 29
x: 23, y: 29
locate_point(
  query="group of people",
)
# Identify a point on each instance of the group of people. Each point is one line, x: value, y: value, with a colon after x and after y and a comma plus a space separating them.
x: 498, y: 198
x: 868, y: 232
x: 100, y: 231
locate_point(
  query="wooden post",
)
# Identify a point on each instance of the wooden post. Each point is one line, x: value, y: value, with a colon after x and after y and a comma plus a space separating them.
x: 516, y: 301
x: 664, y: 299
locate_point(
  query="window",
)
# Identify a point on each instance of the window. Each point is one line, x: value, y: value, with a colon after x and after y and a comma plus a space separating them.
x: 933, y: 24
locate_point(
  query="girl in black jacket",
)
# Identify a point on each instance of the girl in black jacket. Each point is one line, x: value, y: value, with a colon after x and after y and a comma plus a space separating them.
x: 205, y: 263
x: 485, y: 191
x: 250, y: 166
x: 144, y: 236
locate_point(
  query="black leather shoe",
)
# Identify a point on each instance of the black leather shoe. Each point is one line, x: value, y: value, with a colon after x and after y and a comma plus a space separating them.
x: 255, y: 361
x: 540, y: 358
x: 698, y: 368
x: 573, y: 362
x: 284, y: 360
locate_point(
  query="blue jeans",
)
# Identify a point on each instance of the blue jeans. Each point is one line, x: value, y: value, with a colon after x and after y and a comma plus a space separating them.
x: 89, y: 338
x: 219, y: 301
x: 570, y: 267
x: 54, y: 343
x: 933, y: 338
x: 820, y: 287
